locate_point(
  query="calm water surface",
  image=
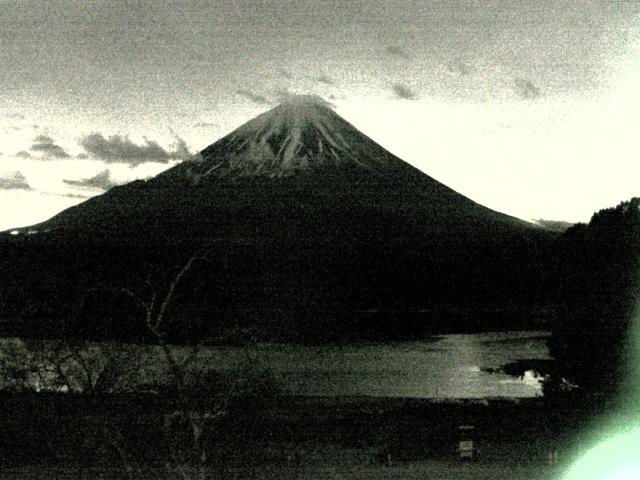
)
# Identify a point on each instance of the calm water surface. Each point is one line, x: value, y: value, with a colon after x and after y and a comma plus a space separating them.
x: 448, y: 366
x: 443, y: 367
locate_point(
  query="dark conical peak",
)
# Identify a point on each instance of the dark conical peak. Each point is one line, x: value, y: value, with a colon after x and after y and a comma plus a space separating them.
x: 301, y: 134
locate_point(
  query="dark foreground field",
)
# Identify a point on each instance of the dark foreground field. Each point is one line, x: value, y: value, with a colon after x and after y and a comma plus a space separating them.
x: 60, y: 436
x: 324, y: 469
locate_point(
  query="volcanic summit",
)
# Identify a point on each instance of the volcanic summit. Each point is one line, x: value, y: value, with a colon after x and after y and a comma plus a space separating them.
x: 301, y: 134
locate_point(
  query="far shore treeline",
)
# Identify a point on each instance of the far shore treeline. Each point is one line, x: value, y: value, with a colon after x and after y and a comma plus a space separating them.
x: 572, y: 282
x: 598, y: 288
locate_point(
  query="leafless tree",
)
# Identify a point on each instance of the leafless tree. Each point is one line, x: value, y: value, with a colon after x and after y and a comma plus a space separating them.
x: 77, y: 368
x: 67, y: 366
x: 183, y: 372
x: 96, y: 368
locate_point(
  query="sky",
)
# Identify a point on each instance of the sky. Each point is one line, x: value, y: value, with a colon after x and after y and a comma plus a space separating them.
x: 529, y: 108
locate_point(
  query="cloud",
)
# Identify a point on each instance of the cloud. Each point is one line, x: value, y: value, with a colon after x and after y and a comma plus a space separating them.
x: 285, y: 74
x: 283, y: 94
x: 525, y: 88
x: 254, y: 97
x: 48, y: 147
x: 100, y: 181
x: 396, y: 51
x: 73, y: 195
x: 459, y: 68
x: 324, y: 79
x: 15, y: 116
x: 23, y: 154
x: 204, y: 125
x: 14, y: 181
x: 181, y: 150
x: 403, y: 92
x: 120, y: 149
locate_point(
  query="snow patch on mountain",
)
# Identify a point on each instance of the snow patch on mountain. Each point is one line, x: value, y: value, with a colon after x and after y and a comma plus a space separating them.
x: 299, y: 135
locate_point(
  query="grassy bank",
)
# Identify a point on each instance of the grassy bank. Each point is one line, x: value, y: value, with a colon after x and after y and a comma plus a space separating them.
x: 289, y: 437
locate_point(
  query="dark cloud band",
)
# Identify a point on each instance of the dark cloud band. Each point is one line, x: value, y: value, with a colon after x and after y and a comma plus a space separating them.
x: 526, y: 89
x: 48, y: 147
x: 395, y: 51
x: 100, y: 181
x: 120, y: 149
x: 403, y: 92
x: 254, y: 97
x: 14, y: 181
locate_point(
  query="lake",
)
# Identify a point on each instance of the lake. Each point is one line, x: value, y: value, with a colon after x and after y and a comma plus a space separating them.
x: 447, y: 366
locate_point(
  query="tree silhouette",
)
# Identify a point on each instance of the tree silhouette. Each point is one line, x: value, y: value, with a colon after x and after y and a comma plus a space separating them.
x: 598, y: 271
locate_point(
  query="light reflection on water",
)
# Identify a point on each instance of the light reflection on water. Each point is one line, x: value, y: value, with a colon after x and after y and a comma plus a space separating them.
x: 452, y: 367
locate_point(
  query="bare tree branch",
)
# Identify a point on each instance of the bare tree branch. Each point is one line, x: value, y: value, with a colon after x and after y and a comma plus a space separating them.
x: 172, y: 287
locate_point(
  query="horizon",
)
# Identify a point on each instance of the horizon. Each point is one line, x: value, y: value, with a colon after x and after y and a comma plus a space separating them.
x: 528, y: 110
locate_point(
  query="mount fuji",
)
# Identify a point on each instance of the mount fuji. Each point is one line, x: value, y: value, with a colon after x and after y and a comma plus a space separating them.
x: 301, y: 155
x: 318, y: 233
